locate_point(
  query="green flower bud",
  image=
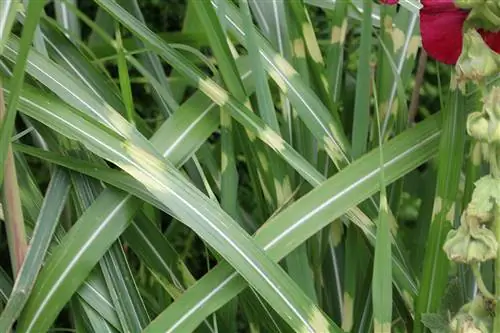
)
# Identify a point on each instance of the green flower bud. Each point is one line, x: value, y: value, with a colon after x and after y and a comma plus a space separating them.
x: 473, y: 317
x: 483, y: 14
x: 470, y: 243
x: 492, y: 103
x: 464, y: 323
x: 478, y: 126
x: 477, y: 61
x: 486, y: 194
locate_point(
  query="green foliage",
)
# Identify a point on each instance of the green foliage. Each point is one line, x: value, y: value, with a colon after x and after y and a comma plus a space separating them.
x: 229, y: 166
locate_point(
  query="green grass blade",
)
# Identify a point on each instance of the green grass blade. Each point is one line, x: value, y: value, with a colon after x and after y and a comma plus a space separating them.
x: 75, y: 242
x: 151, y: 62
x: 382, y: 263
x: 232, y: 80
x: 279, y: 179
x: 335, y: 56
x: 283, y: 233
x: 124, y: 78
x: 8, y: 11
x: 219, y: 230
x: 66, y: 18
x: 46, y: 224
x: 435, y: 269
x: 321, y: 125
x: 361, y: 119
x: 95, y: 294
x: 121, y: 285
x: 33, y: 12
x: 128, y: 304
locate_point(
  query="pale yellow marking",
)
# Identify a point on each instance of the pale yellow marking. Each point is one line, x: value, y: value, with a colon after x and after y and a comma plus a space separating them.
x: 283, y: 190
x: 388, y: 23
x: 154, y: 166
x: 398, y: 39
x: 381, y: 327
x: 347, y: 313
x: 310, y: 36
x: 339, y: 33
x: 332, y: 149
x: 450, y: 216
x: 224, y: 162
x: 263, y: 160
x: 251, y: 136
x: 438, y: 203
x: 299, y: 48
x: 214, y: 91
x: 325, y: 82
x: 413, y: 47
x: 273, y: 138
x: 285, y: 68
x: 318, y: 322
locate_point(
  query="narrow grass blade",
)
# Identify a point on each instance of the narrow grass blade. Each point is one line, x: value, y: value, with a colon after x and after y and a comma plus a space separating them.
x: 361, y: 119
x: 128, y: 302
x: 283, y: 233
x: 8, y: 10
x: 75, y: 242
x: 280, y: 181
x: 335, y: 56
x: 94, y: 293
x: 116, y: 272
x: 321, y: 125
x: 184, y: 200
x: 53, y: 204
x: 435, y: 269
x: 33, y: 12
x: 124, y: 78
x: 6, y: 285
x: 382, y: 263
x: 67, y: 19
x: 152, y: 63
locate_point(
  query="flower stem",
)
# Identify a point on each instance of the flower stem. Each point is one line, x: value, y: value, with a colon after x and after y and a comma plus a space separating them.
x: 14, y: 221
x: 480, y: 283
x: 496, y: 225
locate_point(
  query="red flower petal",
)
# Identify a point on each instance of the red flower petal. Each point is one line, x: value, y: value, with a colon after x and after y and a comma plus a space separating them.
x: 439, y: 4
x: 492, y: 39
x: 441, y: 25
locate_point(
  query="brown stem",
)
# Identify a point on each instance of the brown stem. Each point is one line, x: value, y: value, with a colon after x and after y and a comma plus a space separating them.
x: 14, y: 221
x: 419, y: 79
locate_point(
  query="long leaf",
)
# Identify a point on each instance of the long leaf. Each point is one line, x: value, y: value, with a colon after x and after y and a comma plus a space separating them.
x: 33, y: 11
x: 284, y: 232
x: 219, y: 230
x: 45, y: 227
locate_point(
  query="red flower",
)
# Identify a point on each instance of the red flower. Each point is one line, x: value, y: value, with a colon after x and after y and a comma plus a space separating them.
x: 441, y: 27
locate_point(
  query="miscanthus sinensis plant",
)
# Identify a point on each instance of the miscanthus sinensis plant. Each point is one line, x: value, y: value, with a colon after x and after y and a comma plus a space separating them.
x: 259, y: 166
